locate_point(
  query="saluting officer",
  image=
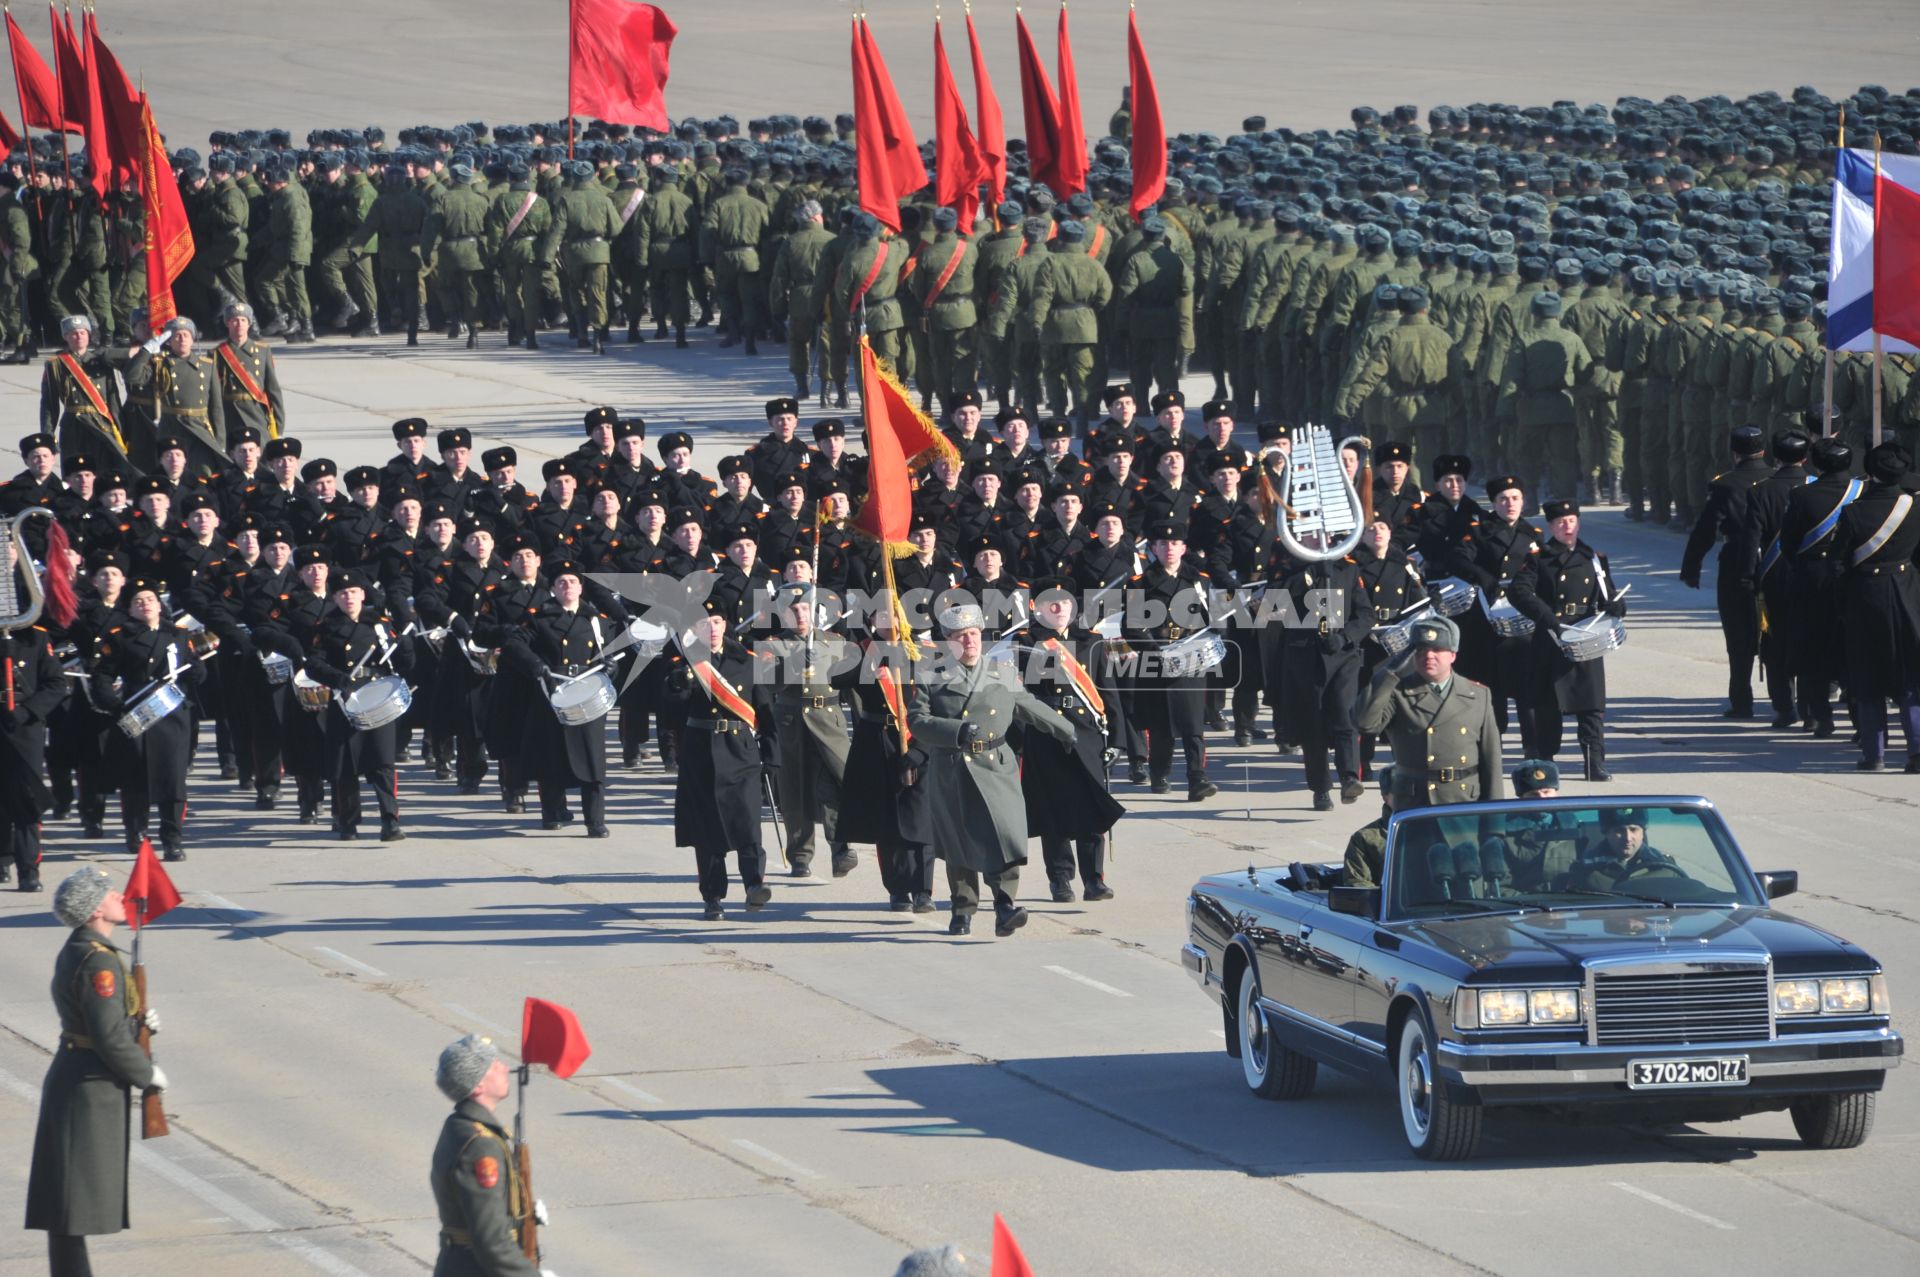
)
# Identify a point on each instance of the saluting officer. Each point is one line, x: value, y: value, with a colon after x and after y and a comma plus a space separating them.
x: 1446, y: 746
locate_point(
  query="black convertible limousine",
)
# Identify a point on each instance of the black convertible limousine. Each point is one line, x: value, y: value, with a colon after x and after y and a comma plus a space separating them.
x: 1558, y: 953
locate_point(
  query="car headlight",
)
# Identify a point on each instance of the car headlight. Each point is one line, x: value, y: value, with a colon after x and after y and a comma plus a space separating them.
x: 1850, y: 996
x: 1500, y: 1007
x: 1882, y: 1000
x: 1796, y: 997
x: 1553, y: 1006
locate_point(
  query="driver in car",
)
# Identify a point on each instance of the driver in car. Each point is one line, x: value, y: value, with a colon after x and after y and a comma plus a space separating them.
x: 1622, y: 853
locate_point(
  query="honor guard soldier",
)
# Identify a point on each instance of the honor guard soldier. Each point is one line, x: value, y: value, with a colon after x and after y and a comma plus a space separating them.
x: 475, y: 1176
x: 144, y: 651
x: 965, y: 708
x: 566, y: 639
x: 249, y: 382
x: 1880, y: 605
x: 80, y: 400
x: 1814, y: 567
x: 884, y: 767
x: 1446, y: 746
x: 1169, y: 707
x: 36, y: 688
x: 187, y: 398
x: 805, y: 665
x: 1730, y: 516
x: 1320, y: 660
x: 1566, y: 583
x: 350, y: 651
x: 1068, y: 805
x: 77, y: 1186
x: 716, y: 796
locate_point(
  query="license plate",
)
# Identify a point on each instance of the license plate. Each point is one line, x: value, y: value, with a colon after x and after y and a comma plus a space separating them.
x: 1667, y: 1075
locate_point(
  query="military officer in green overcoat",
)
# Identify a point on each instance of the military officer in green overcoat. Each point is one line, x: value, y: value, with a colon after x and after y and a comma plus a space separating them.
x: 1446, y: 746
x: 666, y: 250
x: 77, y: 1187
x: 734, y: 226
x: 451, y: 243
x: 792, y: 292
x: 391, y: 233
x: 866, y: 286
x: 520, y: 240
x: 584, y: 227
x: 475, y: 1177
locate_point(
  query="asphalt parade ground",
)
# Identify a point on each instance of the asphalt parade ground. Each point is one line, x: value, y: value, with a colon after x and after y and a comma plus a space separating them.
x: 820, y: 1087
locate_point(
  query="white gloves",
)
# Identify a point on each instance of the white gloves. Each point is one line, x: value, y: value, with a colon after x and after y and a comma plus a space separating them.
x: 539, y: 1212
x: 159, y: 1082
x: 548, y: 1272
x: 151, y: 1019
x: 152, y: 344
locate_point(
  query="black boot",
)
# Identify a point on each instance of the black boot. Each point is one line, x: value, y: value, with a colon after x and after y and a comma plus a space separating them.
x: 680, y: 336
x: 600, y: 342
x: 800, y: 388
x: 751, y: 348
x: 633, y: 333
x: 660, y: 330
x: 413, y: 331
x: 473, y: 337
x: 1596, y: 760
x: 840, y: 396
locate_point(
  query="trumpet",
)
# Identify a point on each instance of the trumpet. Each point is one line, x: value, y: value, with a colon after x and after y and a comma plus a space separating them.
x: 1321, y: 515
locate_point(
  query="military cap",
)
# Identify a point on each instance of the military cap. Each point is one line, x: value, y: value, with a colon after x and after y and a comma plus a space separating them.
x: 775, y: 407
x: 1072, y: 231
x: 79, y: 894
x: 75, y: 463
x: 38, y: 440
x: 681, y: 515
x: 1216, y: 408
x: 462, y: 1065
x: 1747, y: 441
x: 1386, y: 294
x: 410, y: 428
x: 347, y: 579
x: 71, y: 323
x: 495, y: 458
x: 1618, y: 817
x: 1098, y: 510
x: 1010, y: 414
x: 308, y: 555
x: 182, y: 324
x: 363, y: 477
x: 457, y: 437
x: 317, y: 469
x: 923, y: 521
x: 1270, y: 431
x: 220, y: 162
x: 1503, y: 483
x: 1558, y: 509
x: 245, y: 434
x: 197, y: 501
x: 961, y: 616
x: 671, y: 440
x: 1830, y: 454
x: 1217, y: 459
x: 285, y: 446
x: 1789, y: 447
x: 1888, y: 462
x: 1114, y: 393
x: 963, y: 399
x: 145, y: 585
x: 1547, y: 305
x: 945, y: 219
x: 1413, y: 300
x: 1393, y: 450
x: 790, y: 479
x: 1534, y: 775
x: 830, y: 428
x: 1153, y: 226
x: 400, y: 490
x: 1166, y: 530
x: 1034, y: 229
x: 1167, y: 399
x: 1436, y: 632
x: 1056, y: 428
x: 735, y: 464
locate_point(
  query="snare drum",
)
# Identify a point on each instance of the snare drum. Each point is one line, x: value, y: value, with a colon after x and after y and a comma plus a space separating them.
x: 1505, y: 618
x: 1450, y: 595
x: 1592, y: 638
x: 278, y: 668
x: 150, y: 707
x: 584, y: 699
x: 313, y: 697
x: 484, y: 660
x: 1194, y: 655
x: 377, y: 702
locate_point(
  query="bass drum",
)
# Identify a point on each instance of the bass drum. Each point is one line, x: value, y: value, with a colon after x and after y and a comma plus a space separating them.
x: 377, y: 702
x: 313, y: 696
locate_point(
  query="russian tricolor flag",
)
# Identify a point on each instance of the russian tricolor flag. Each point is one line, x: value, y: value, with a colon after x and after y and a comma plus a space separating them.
x: 1873, y: 279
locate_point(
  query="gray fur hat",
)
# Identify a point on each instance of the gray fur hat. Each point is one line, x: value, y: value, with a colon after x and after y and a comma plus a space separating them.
x: 79, y: 894
x: 962, y: 616
x: 69, y: 323
x: 934, y: 1261
x: 463, y: 1064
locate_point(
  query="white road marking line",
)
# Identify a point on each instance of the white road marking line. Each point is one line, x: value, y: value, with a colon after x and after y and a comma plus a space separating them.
x: 481, y: 1020
x: 221, y: 902
x: 761, y: 1150
x: 345, y: 961
x: 1673, y: 1206
x: 231, y: 1207
x: 645, y: 1097
x: 1089, y: 981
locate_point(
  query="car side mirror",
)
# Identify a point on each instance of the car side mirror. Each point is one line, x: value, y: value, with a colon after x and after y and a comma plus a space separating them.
x: 1780, y: 882
x: 1360, y: 902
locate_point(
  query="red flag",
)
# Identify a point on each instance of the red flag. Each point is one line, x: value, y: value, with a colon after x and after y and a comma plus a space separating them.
x: 958, y: 164
x: 119, y: 110
x: 149, y: 892
x: 39, y: 91
x: 9, y: 136
x: 1070, y: 157
x: 70, y: 73
x: 80, y: 94
x: 887, y: 162
x: 1040, y: 106
x: 898, y: 434
x: 617, y: 67
x: 1149, y: 130
x: 169, y: 238
x: 550, y: 1035
x: 1007, y: 1259
x: 993, y: 131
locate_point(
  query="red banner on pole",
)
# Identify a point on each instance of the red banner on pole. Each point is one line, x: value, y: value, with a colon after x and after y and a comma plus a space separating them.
x: 992, y: 129
x: 149, y: 891
x: 958, y: 164
x: 1040, y: 107
x: 550, y: 1034
x: 617, y: 62
x: 1149, y: 144
x: 1070, y: 156
x: 887, y: 162
x: 169, y: 238
x: 40, y: 106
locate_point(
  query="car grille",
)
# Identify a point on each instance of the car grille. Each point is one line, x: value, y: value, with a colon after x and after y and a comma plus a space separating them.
x: 1712, y: 1004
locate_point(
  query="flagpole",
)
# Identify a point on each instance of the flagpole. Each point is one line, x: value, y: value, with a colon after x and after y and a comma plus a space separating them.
x: 572, y: 18
x: 26, y: 129
x: 60, y: 91
x: 1878, y: 356
x: 1826, y: 403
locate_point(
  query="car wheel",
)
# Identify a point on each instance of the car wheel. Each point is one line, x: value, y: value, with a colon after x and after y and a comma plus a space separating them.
x: 1273, y: 1070
x: 1834, y: 1121
x: 1438, y: 1127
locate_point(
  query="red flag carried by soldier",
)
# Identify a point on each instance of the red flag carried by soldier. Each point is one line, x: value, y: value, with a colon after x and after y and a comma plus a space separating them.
x: 897, y: 434
x: 1007, y: 1259
x: 1070, y: 157
x: 551, y: 1035
x: 887, y: 162
x: 40, y: 106
x: 1040, y: 107
x: 992, y: 130
x: 617, y: 67
x: 1149, y: 130
x: 169, y: 239
x: 149, y: 892
x: 958, y: 163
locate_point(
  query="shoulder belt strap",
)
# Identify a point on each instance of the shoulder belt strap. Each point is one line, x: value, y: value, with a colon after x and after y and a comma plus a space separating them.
x: 248, y: 384
x: 946, y: 272
x: 632, y: 205
x: 1895, y: 517
x: 95, y: 401
x: 879, y: 261
x: 723, y: 693
x: 520, y: 214
x: 1082, y: 681
x: 1820, y: 531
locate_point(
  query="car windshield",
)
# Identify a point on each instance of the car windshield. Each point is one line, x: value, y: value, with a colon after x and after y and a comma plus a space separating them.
x: 1457, y: 860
